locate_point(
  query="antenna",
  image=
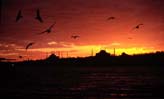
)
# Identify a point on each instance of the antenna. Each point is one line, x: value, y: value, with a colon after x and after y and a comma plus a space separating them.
x: 59, y: 54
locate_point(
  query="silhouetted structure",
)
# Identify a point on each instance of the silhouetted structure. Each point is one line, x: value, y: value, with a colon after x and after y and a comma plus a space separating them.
x: 52, y: 58
x: 101, y: 58
x: 124, y: 54
x: 6, y: 59
x: 102, y: 54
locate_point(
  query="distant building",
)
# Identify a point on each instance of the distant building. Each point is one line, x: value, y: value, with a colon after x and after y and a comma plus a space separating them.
x: 102, y: 53
x: 52, y: 57
x: 124, y: 54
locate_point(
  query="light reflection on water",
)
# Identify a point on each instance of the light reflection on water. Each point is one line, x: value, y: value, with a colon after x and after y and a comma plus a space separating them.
x: 115, y: 84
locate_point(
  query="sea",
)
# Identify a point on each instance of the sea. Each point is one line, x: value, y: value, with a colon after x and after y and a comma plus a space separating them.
x: 101, y: 82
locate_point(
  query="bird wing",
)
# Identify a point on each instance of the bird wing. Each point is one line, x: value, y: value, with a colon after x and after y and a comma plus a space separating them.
x: 40, y: 19
x: 38, y: 15
x: 75, y: 36
x: 30, y: 44
x: 137, y: 26
x: 37, y: 12
x: 20, y: 56
x: 52, y: 26
x: 49, y: 29
x: 72, y: 36
x: 43, y: 32
x: 130, y: 38
x: 18, y: 15
x: 140, y: 24
x: 110, y: 18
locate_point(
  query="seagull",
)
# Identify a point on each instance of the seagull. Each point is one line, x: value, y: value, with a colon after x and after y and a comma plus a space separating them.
x: 138, y: 26
x: 19, y: 16
x: 75, y: 36
x: 130, y: 38
x: 38, y: 17
x: 48, y: 30
x: 30, y: 44
x: 20, y: 57
x: 111, y: 18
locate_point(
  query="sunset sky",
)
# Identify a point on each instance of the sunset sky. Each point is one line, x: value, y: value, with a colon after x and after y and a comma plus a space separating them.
x: 86, y: 18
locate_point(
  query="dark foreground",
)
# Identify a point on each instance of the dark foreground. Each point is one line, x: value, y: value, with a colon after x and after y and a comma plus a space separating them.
x: 82, y: 83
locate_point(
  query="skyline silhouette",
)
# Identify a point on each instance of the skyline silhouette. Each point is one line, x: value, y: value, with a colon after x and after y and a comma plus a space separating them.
x: 102, y: 58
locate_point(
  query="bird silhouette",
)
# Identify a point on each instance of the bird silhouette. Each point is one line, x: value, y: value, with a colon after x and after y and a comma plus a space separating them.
x: 48, y: 30
x: 130, y: 38
x: 19, y: 16
x: 20, y: 56
x: 38, y: 17
x: 111, y: 18
x: 28, y: 45
x: 75, y: 36
x: 137, y: 26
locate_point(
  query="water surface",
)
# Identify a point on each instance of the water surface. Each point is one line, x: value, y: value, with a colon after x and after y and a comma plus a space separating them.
x: 85, y: 83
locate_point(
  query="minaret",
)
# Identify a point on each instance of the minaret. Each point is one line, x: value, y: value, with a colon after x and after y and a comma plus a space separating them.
x: 114, y: 51
x: 92, y: 52
x: 67, y: 54
x: 61, y: 53
x: 58, y: 53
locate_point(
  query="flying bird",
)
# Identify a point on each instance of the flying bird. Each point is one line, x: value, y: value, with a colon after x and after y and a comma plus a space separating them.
x: 111, y: 18
x: 30, y: 44
x: 19, y: 16
x: 20, y: 57
x: 48, y: 30
x: 75, y: 36
x: 137, y: 26
x: 38, y: 17
x: 130, y: 38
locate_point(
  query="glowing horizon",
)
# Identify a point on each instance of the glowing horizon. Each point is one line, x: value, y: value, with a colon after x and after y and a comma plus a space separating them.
x: 75, y: 51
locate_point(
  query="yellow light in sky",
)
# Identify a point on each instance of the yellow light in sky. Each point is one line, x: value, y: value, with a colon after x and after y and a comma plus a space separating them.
x: 88, y: 50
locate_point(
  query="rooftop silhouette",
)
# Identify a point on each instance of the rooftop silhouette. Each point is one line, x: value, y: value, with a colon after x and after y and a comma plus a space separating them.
x: 101, y: 58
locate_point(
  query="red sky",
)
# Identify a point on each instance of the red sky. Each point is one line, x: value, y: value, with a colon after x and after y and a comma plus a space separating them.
x: 86, y: 18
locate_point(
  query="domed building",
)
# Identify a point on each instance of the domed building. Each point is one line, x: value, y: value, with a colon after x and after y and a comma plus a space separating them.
x: 102, y: 54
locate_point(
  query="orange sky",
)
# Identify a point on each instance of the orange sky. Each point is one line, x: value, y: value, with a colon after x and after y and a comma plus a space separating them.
x: 86, y: 18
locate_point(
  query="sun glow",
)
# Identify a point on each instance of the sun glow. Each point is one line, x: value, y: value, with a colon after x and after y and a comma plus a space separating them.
x: 131, y: 51
x: 88, y: 50
x: 73, y: 50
